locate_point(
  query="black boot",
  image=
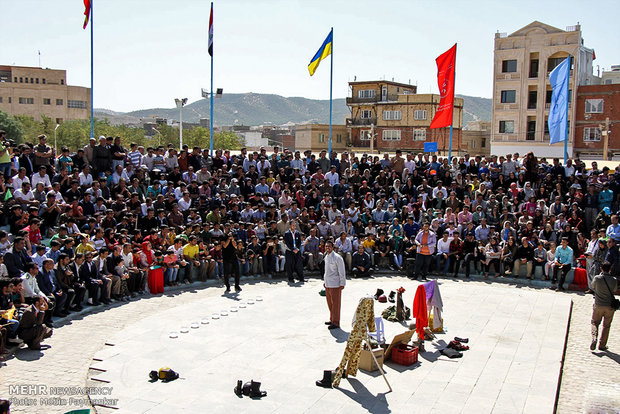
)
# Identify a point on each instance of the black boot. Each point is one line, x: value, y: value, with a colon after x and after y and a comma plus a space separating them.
x: 326, y: 382
x: 239, y: 388
x: 255, y: 391
x: 247, y: 388
x: 391, y: 297
x: 379, y: 293
x: 462, y: 340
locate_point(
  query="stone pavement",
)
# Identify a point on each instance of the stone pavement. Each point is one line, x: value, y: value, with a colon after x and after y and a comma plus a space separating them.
x: 517, y: 337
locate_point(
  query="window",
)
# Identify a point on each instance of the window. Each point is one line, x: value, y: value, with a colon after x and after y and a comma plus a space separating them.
x: 592, y: 134
x: 365, y: 135
x: 47, y: 101
x: 321, y: 138
x: 76, y: 104
x: 43, y: 81
x: 21, y: 80
x: 26, y: 80
x: 37, y: 79
x: 391, y: 115
x: 506, y: 127
x: 366, y: 93
x: 26, y: 101
x: 483, y: 142
x: 553, y: 62
x: 473, y: 144
x: 0, y: 99
x: 509, y: 96
x: 59, y: 102
x: 509, y: 66
x: 339, y: 138
x: 419, y: 115
x: 15, y: 79
x: 10, y: 100
x: 419, y: 135
x: 594, y: 106
x: 62, y: 81
x: 31, y: 80
x: 534, y: 68
x: 391, y: 135
x: 548, y: 96
x: 365, y: 114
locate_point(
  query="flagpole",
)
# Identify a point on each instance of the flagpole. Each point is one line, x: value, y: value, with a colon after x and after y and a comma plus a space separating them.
x: 211, y: 104
x: 331, y: 77
x: 92, y: 117
x: 452, y: 115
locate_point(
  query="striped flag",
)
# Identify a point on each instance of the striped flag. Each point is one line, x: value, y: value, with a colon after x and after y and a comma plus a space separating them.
x: 210, y: 32
x: 86, y: 13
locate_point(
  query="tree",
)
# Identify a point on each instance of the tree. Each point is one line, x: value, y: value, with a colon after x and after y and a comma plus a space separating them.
x: 227, y: 140
x: 32, y: 129
x: 12, y: 127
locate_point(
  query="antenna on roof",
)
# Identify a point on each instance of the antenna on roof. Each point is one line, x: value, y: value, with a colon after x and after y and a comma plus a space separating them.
x: 39, y: 58
x: 354, y: 78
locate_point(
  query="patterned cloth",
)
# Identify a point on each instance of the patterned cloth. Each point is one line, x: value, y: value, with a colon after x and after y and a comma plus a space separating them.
x: 364, y: 321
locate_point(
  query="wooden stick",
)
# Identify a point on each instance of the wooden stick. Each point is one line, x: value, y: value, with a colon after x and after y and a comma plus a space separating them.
x: 376, y: 362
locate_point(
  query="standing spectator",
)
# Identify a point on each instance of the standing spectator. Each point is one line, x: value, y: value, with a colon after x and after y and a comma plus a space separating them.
x: 425, y: 241
x: 604, y: 286
x: 294, y: 260
x: 334, y: 280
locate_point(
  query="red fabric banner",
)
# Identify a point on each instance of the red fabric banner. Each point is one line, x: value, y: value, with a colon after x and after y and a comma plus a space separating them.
x: 86, y: 13
x: 445, y: 81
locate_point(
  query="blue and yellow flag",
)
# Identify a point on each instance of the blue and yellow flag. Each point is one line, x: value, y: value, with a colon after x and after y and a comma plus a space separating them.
x: 324, y: 51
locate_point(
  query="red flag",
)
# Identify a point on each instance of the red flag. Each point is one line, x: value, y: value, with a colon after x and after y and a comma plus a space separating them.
x: 86, y: 12
x: 445, y: 80
x: 211, y: 32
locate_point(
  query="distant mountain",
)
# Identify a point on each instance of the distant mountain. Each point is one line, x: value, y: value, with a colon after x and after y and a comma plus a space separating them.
x: 258, y: 109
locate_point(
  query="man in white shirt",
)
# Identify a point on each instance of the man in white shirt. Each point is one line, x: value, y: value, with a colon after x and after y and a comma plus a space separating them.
x: 443, y: 252
x: 334, y: 280
x: 86, y: 179
x: 332, y: 176
x: 41, y: 177
x: 20, y: 178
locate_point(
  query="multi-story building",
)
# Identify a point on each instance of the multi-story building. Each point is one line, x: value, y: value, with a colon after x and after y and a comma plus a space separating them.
x: 597, y: 116
x: 36, y: 91
x: 611, y: 76
x: 315, y: 137
x: 521, y: 89
x: 477, y: 138
x: 395, y: 116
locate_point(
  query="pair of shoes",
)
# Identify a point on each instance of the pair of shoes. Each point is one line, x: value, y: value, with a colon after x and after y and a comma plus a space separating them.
x: 328, y: 323
x: 326, y: 382
x: 593, y: 344
x: 14, y: 341
x: 392, y: 296
x: 332, y: 326
x: 461, y: 340
x: 457, y: 346
x: 227, y: 289
x: 451, y: 353
x: 378, y: 293
x: 238, y: 289
x: 249, y: 389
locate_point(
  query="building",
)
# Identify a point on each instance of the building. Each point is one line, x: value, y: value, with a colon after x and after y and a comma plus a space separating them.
x: 477, y: 138
x: 597, y: 111
x: 315, y: 137
x: 521, y: 89
x: 612, y: 76
x: 36, y: 91
x: 395, y: 116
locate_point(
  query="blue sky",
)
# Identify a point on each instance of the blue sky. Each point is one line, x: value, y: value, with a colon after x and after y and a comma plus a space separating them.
x: 149, y: 52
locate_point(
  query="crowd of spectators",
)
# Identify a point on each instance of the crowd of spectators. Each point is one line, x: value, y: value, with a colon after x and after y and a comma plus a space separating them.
x: 108, y: 222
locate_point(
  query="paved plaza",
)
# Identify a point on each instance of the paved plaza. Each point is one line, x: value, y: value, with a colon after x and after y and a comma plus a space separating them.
x: 517, y: 336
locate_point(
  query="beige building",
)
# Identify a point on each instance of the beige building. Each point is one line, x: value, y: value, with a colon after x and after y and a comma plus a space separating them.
x: 315, y: 137
x: 35, y: 91
x: 521, y: 89
x: 477, y: 138
x: 398, y: 117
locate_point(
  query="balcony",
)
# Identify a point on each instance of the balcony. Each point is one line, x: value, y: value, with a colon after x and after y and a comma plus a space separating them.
x: 353, y: 101
x: 361, y: 121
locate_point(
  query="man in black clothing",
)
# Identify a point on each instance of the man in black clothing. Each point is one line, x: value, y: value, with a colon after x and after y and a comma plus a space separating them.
x: 524, y: 256
x: 360, y: 263
x: 468, y: 254
x: 231, y: 267
x: 293, y: 258
x: 382, y: 251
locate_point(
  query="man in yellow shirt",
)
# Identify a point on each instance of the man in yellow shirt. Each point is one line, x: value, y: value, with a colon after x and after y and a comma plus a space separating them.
x: 190, y: 254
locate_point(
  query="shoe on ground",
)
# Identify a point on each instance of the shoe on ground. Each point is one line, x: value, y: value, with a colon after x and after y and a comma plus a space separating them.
x: 461, y: 340
x: 332, y: 326
x: 238, y: 289
x: 227, y: 289
x: 15, y: 341
x: 603, y: 348
x: 328, y: 323
x: 593, y: 344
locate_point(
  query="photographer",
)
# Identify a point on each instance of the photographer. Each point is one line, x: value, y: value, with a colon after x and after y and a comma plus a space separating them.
x: 5, y: 154
x: 231, y: 267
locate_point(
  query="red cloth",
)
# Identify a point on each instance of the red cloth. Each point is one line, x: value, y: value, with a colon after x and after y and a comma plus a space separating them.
x: 156, y: 280
x: 445, y: 80
x: 86, y: 12
x: 419, y: 311
x: 581, y: 277
x: 147, y: 252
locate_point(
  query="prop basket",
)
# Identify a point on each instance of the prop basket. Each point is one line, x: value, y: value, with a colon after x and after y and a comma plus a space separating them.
x: 405, y: 355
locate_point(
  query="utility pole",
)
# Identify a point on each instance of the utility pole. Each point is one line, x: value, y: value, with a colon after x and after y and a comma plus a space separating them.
x: 605, y: 134
x: 372, y: 138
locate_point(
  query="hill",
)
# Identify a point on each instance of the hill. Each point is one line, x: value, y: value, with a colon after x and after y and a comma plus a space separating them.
x: 258, y: 109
